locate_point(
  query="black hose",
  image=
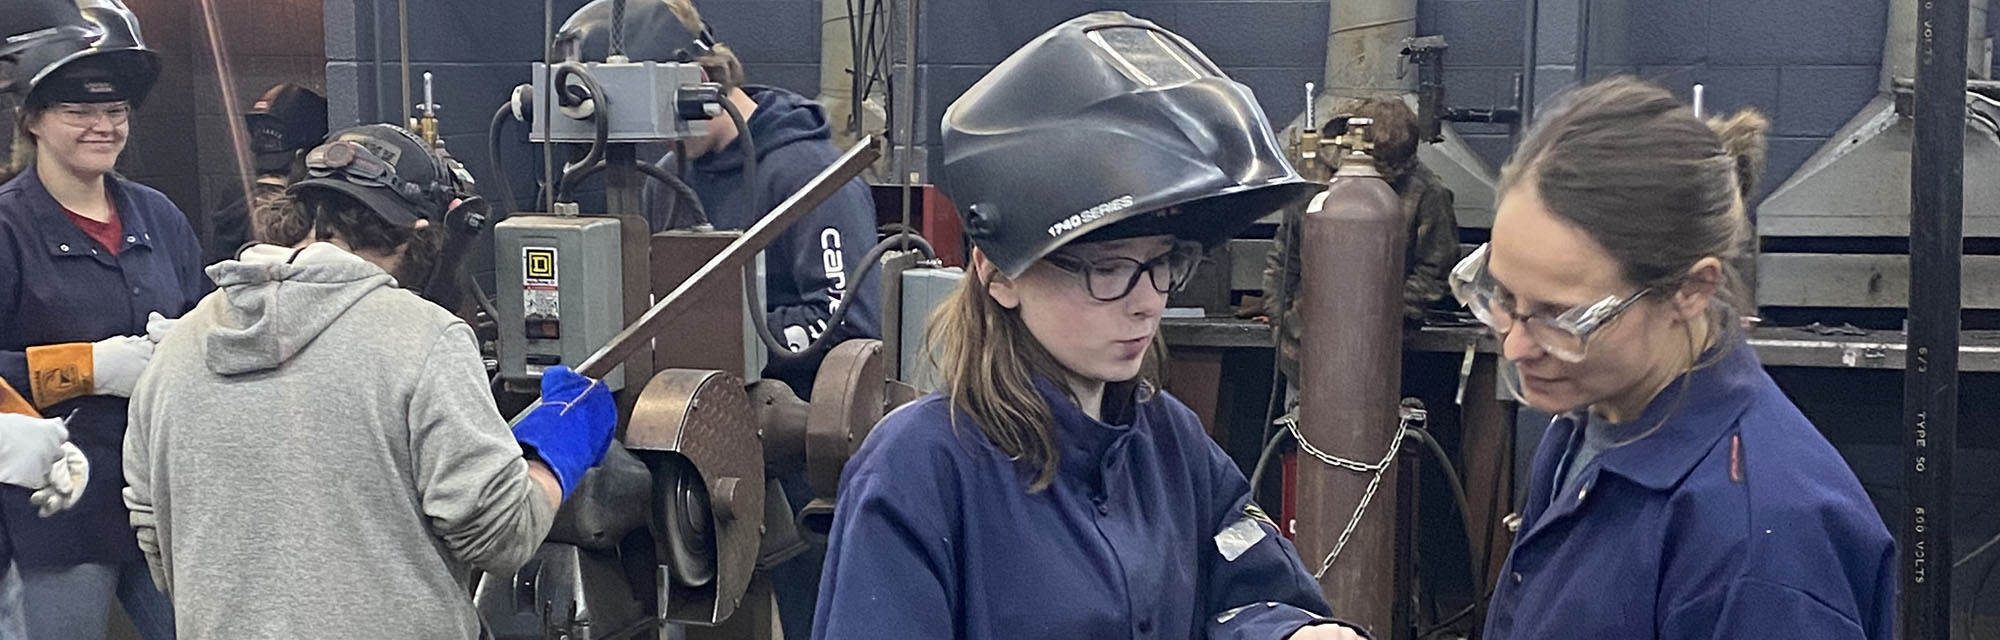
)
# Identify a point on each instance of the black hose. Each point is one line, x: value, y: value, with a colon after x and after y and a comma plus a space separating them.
x: 675, y: 183
x: 494, y: 132
x: 683, y: 192
x: 1472, y: 558
x: 754, y: 300
x: 752, y: 191
x: 599, y: 116
x: 1271, y: 447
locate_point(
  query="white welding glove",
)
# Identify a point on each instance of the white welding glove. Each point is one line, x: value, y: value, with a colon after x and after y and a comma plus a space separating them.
x: 117, y: 362
x: 28, y: 447
x: 158, y: 325
x: 67, y: 478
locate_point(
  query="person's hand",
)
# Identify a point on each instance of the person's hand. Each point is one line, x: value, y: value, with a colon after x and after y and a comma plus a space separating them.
x: 67, y: 478
x: 1326, y: 632
x: 1252, y: 308
x: 571, y: 427
x: 116, y: 363
x: 29, y: 445
x: 158, y: 325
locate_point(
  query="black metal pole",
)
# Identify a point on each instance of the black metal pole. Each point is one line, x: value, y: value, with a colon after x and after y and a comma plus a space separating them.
x: 1582, y: 42
x: 1528, y: 45
x: 1930, y: 390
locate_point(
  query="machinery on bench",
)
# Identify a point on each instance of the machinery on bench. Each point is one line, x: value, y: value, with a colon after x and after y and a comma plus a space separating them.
x: 666, y: 538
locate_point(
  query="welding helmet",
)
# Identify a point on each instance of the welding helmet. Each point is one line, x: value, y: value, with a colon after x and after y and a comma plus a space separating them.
x: 652, y: 32
x: 1105, y: 127
x: 115, y: 66
x: 34, y: 34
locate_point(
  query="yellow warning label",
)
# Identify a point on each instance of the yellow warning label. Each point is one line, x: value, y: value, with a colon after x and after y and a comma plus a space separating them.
x: 540, y: 263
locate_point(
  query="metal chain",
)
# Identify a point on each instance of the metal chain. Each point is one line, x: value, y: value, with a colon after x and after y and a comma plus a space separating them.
x: 1374, y: 482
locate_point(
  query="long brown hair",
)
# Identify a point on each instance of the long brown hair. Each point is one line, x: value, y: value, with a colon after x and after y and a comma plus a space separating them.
x: 988, y: 362
x: 22, y: 154
x: 1624, y: 161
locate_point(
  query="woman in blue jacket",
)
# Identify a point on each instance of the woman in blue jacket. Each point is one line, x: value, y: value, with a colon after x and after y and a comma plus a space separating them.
x: 1678, y: 494
x: 85, y: 258
x: 1049, y: 491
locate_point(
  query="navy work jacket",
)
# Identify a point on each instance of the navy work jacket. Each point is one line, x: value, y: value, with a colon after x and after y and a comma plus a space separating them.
x: 57, y: 285
x: 1735, y: 519
x: 1147, y: 532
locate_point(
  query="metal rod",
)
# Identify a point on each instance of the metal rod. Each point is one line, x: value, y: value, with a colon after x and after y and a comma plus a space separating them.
x: 1528, y: 45
x: 403, y: 35
x: 548, y: 105
x: 1582, y: 41
x: 1930, y: 378
x: 851, y: 164
x: 907, y: 111
x: 1698, y: 100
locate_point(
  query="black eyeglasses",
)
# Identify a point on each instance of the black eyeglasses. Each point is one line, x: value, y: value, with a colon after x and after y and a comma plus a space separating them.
x: 1110, y: 279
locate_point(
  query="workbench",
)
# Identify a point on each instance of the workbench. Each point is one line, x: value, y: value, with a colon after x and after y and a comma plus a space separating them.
x: 1979, y: 351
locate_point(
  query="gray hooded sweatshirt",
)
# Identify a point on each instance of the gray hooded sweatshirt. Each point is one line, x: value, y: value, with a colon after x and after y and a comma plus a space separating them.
x: 315, y: 453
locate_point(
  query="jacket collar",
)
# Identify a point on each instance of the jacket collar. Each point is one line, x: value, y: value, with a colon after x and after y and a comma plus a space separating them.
x: 61, y: 236
x: 1692, y: 413
x: 1084, y: 440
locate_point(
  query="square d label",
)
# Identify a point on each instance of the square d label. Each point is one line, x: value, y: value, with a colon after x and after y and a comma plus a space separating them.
x: 539, y: 263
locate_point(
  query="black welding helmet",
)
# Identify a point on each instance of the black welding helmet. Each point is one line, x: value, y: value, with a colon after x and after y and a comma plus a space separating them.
x: 35, y: 34
x: 387, y: 169
x: 1109, y: 126
x: 115, y: 66
x: 652, y: 32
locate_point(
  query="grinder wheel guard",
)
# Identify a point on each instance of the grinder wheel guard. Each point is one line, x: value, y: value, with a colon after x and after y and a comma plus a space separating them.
x: 705, y: 418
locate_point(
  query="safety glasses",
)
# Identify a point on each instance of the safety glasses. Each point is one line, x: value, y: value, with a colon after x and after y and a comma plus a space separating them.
x: 1564, y: 334
x: 1110, y: 279
x: 81, y: 115
x: 353, y: 162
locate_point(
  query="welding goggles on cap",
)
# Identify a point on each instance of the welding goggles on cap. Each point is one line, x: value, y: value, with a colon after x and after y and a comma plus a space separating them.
x: 353, y: 162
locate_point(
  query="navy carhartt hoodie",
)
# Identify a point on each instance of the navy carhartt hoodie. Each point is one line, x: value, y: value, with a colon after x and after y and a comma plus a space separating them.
x: 807, y: 269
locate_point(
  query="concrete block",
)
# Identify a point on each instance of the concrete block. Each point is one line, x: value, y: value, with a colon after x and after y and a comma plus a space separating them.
x: 986, y: 31
x: 1727, y: 89
x: 1286, y: 34
x: 1481, y: 33
x: 1556, y: 28
x: 1822, y: 32
x: 767, y: 31
x: 1816, y: 101
x: 1666, y: 33
x: 1282, y: 91
x: 1679, y: 79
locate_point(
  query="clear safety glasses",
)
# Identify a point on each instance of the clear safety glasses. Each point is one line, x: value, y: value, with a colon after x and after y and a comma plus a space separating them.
x: 1565, y: 334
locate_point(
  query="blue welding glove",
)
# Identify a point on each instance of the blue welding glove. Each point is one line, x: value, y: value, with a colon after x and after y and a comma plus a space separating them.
x: 570, y: 428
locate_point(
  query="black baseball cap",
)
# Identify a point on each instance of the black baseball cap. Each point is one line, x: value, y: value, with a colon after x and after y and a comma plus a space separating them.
x: 286, y: 119
x: 385, y: 168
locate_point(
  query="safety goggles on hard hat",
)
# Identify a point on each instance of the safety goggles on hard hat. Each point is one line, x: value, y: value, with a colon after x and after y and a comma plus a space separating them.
x: 355, y: 163
x: 1113, y: 278
x: 1564, y: 334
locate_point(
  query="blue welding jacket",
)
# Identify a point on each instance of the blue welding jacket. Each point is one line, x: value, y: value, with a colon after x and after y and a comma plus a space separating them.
x: 1735, y: 519
x: 936, y: 535
x: 57, y: 285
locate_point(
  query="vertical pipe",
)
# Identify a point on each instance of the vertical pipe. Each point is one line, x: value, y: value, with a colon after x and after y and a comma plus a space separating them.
x: 1528, y: 45
x: 1582, y: 42
x: 1930, y: 382
x: 1350, y: 372
x: 1364, y: 38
